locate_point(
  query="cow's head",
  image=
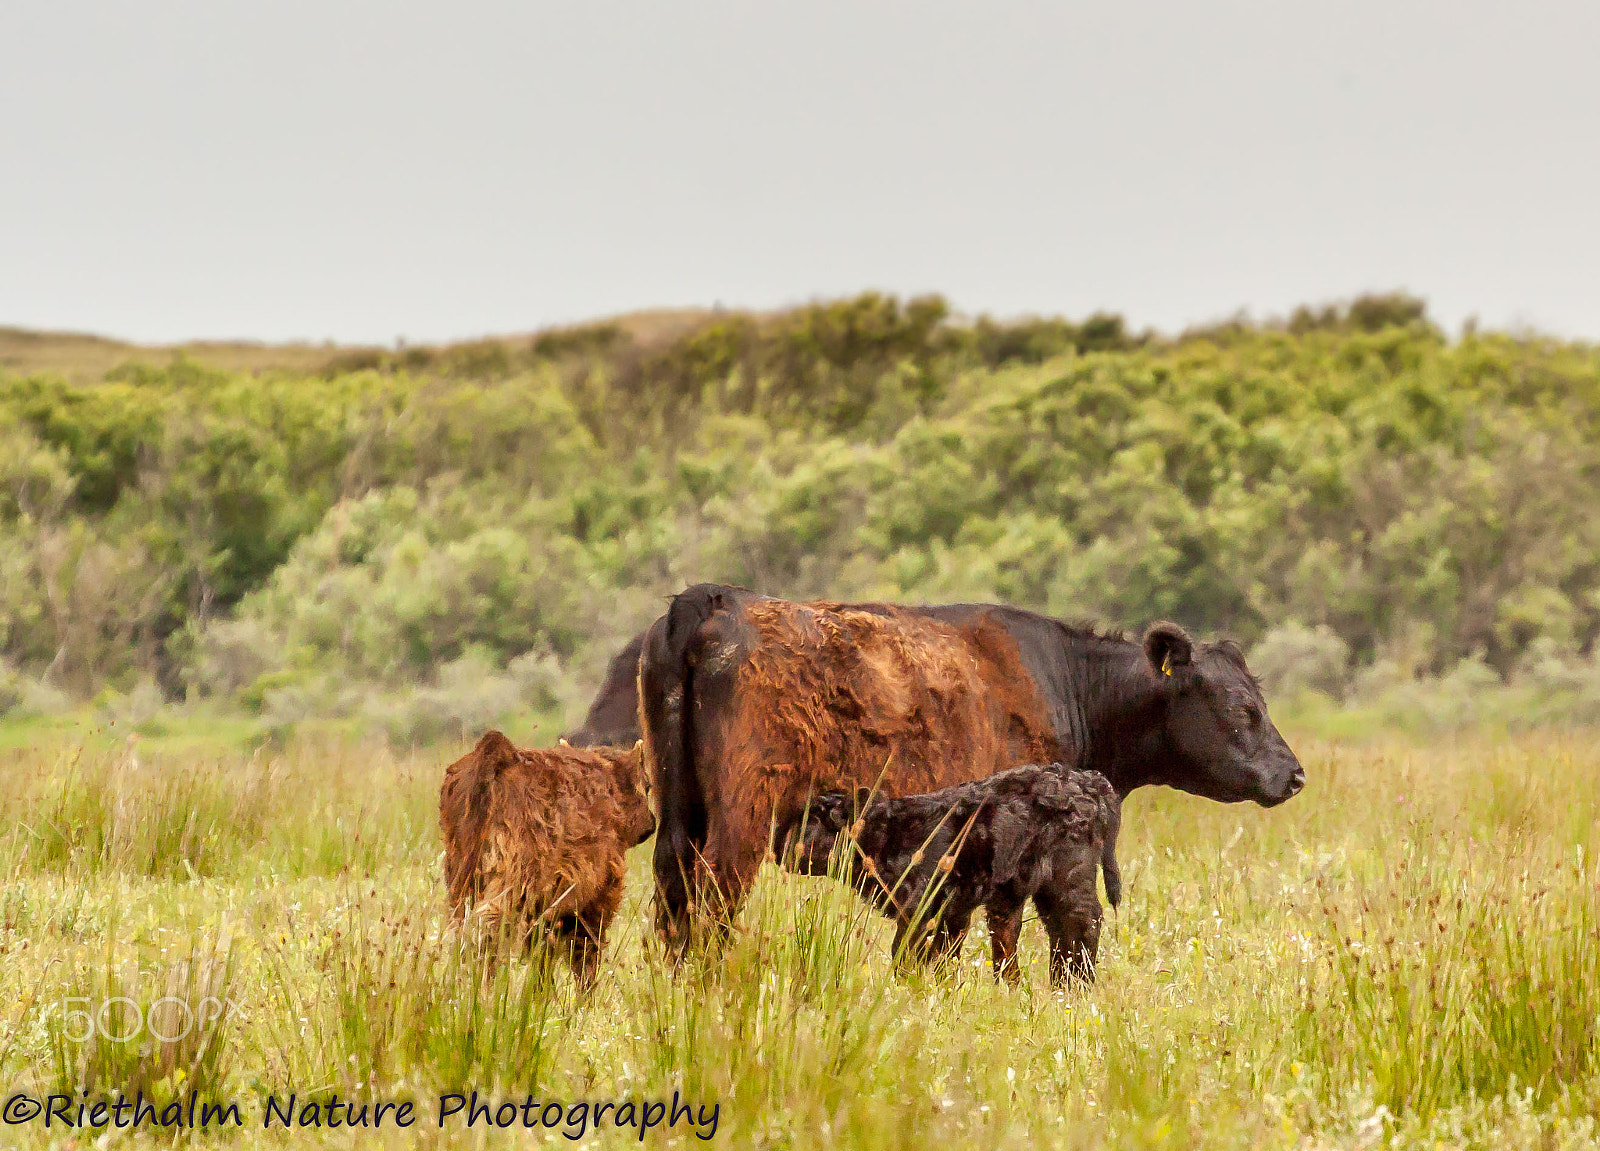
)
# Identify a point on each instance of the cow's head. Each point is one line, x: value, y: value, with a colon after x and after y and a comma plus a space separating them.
x: 1216, y: 739
x: 633, y: 791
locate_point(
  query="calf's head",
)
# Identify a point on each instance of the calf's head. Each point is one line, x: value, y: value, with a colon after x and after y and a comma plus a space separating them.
x: 632, y: 790
x: 1214, y: 736
x: 807, y: 841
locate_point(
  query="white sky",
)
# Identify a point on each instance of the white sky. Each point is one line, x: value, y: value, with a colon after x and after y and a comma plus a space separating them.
x: 292, y: 169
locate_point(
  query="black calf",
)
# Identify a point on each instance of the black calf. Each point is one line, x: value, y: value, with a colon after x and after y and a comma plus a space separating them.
x: 930, y: 861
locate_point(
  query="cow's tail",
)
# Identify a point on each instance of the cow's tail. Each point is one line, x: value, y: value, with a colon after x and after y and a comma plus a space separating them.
x: 666, y: 715
x: 1109, y: 826
x: 474, y: 794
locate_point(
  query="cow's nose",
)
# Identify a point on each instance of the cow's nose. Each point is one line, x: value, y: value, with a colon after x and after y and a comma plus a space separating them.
x: 1297, y: 781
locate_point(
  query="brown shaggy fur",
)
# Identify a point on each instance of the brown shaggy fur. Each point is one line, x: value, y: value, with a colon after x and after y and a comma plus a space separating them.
x: 832, y: 695
x: 535, y: 840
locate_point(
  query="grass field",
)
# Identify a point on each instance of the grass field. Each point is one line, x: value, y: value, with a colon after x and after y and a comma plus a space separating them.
x: 1406, y: 955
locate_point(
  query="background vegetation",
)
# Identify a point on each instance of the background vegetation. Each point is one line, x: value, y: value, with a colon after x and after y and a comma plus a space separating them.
x: 422, y: 540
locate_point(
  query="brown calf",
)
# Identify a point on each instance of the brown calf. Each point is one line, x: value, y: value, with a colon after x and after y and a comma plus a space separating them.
x: 535, y: 840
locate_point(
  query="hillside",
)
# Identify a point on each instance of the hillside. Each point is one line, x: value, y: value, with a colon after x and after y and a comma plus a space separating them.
x: 309, y: 532
x: 85, y: 358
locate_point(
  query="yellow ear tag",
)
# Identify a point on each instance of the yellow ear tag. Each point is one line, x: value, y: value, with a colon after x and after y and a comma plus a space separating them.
x: 1166, y: 664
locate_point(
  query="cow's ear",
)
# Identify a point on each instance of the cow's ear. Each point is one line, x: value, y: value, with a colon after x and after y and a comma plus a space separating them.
x: 1169, y: 650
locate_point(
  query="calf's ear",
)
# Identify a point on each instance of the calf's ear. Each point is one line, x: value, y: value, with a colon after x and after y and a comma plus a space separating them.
x: 863, y: 794
x: 842, y: 815
x: 495, y: 751
x: 1169, y: 649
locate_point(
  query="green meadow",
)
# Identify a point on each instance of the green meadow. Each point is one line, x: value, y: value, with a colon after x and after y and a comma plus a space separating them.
x: 1407, y: 955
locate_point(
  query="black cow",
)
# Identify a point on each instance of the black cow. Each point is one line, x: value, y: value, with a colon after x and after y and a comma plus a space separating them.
x: 750, y: 705
x: 613, y: 719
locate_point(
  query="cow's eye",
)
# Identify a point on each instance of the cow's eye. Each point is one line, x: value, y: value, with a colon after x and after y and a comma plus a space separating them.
x: 1246, y: 717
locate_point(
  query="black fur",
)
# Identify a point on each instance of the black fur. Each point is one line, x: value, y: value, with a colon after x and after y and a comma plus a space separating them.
x: 930, y: 861
x: 613, y: 719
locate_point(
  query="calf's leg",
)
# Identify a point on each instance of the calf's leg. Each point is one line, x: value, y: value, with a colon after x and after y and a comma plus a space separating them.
x: 584, y: 933
x: 1004, y: 913
x: 950, y: 934
x: 910, y: 948
x: 936, y: 935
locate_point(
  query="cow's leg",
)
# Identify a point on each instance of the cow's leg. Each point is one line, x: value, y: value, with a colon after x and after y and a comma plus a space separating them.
x: 669, y: 711
x: 739, y: 826
x: 1004, y: 913
x: 679, y: 863
x: 693, y: 872
x: 679, y: 874
x: 723, y: 808
x: 1072, y: 920
x: 733, y: 857
x: 703, y: 892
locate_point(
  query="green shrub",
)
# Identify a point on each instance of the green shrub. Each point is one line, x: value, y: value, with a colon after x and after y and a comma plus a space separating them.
x: 231, y: 535
x: 468, y: 697
x: 1293, y: 658
x: 23, y: 697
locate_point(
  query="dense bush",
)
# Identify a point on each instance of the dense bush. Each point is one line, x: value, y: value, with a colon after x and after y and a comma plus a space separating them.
x: 1349, y: 490
x: 23, y: 697
x: 1294, y: 658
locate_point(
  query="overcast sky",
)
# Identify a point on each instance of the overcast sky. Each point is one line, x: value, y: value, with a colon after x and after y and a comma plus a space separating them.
x: 365, y: 171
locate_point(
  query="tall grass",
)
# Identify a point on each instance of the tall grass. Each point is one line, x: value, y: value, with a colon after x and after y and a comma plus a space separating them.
x: 1479, y: 978
x: 163, y: 1030
x: 1407, y: 953
x: 395, y: 994
x: 176, y: 815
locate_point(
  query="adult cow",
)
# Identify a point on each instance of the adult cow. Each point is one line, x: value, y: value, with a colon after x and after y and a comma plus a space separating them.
x: 613, y: 719
x: 750, y: 704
